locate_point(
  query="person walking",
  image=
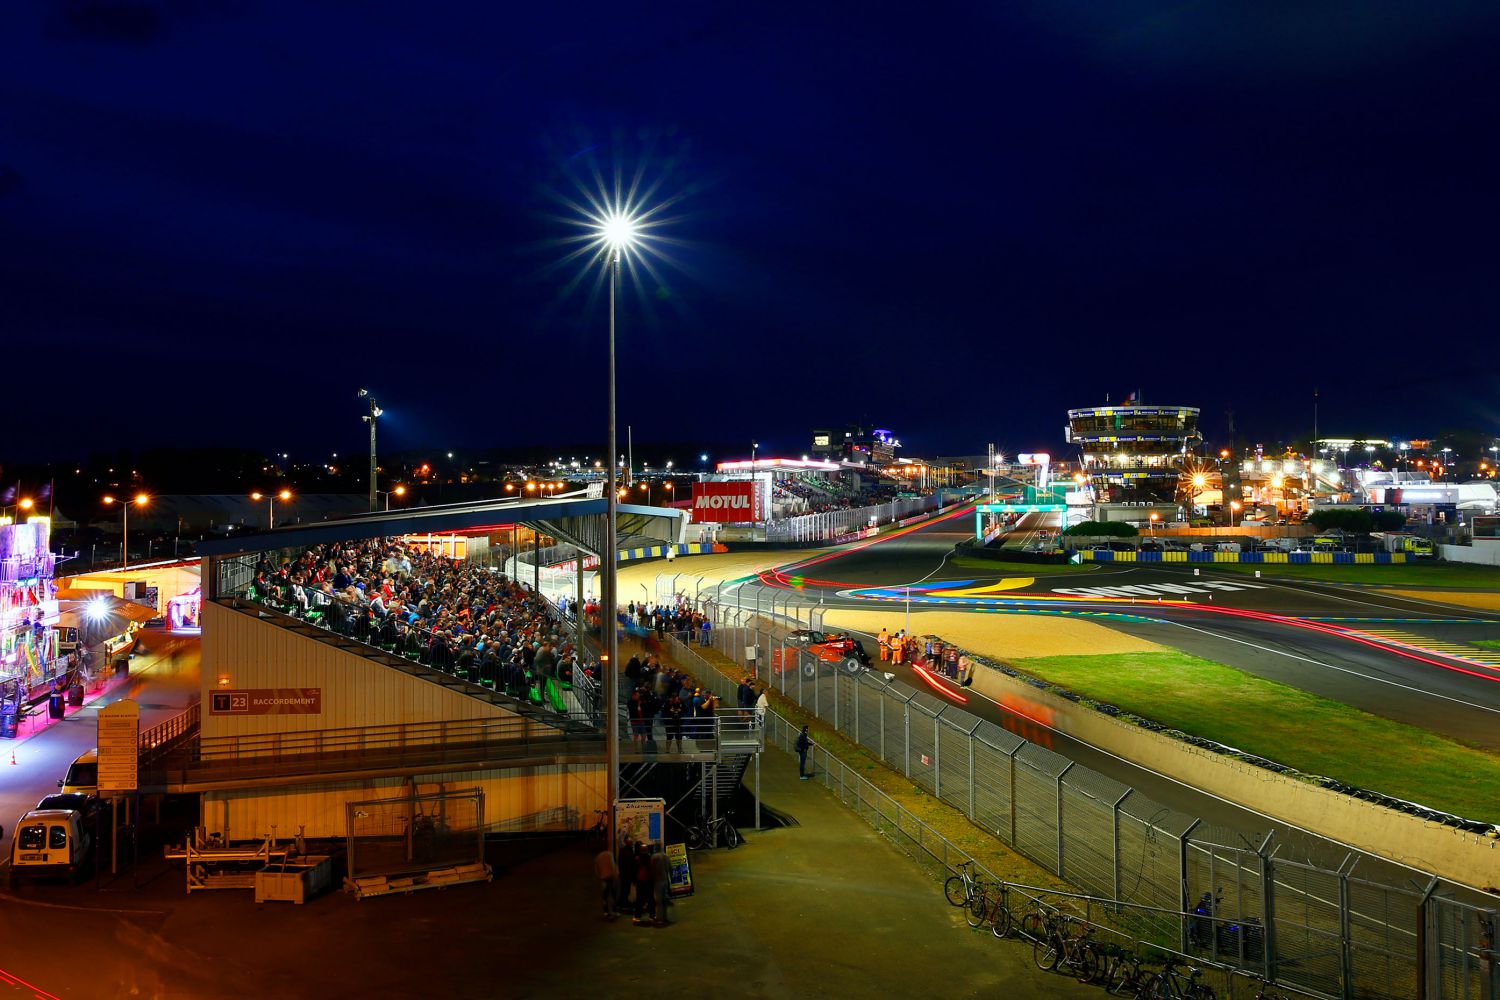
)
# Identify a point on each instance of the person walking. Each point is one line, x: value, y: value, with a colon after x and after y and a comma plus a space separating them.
x: 661, y: 882
x: 609, y: 881
x: 804, y: 744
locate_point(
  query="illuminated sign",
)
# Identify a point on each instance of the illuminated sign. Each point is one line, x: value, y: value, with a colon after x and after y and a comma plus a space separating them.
x: 267, y: 701
x: 1039, y: 458
x: 820, y: 440
x: 726, y: 503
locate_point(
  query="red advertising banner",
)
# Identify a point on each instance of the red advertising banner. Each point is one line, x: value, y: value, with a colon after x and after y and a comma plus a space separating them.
x: 726, y: 502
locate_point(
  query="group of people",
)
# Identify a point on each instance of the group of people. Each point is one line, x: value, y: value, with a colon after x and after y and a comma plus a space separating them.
x: 660, y: 692
x: 680, y: 619
x: 636, y: 867
x: 462, y: 619
x: 931, y: 652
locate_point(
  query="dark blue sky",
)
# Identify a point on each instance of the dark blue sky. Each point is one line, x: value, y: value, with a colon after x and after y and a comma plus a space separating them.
x: 953, y: 220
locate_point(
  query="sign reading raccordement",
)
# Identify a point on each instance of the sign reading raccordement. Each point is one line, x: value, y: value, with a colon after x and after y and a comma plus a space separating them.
x: 119, y: 737
x: 267, y: 701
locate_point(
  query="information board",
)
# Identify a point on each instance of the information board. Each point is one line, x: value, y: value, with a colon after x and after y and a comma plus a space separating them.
x: 680, y: 875
x: 119, y: 739
x: 642, y: 820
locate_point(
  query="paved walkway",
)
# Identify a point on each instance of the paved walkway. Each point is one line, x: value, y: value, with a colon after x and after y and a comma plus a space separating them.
x: 825, y: 908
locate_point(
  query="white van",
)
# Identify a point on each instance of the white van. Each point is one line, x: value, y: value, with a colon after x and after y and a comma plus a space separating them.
x: 50, y: 842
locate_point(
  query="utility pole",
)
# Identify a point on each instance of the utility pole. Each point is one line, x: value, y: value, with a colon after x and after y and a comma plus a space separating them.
x: 375, y: 411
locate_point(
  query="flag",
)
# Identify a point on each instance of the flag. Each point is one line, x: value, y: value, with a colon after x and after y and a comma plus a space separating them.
x: 1134, y: 397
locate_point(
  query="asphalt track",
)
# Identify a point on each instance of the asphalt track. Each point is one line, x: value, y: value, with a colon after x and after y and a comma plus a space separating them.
x: 1303, y: 634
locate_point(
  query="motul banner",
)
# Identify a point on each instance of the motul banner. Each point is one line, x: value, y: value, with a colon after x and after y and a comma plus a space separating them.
x: 726, y: 502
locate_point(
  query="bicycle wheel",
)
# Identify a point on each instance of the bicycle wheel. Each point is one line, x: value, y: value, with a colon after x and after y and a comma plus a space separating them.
x: 1033, y: 926
x: 731, y: 837
x: 956, y: 890
x: 1124, y: 978
x: 696, y: 837
x: 1086, y: 961
x: 1001, y: 921
x: 1044, y: 952
x: 977, y: 909
x: 1201, y: 991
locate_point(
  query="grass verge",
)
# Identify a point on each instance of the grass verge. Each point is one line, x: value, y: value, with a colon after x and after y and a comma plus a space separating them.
x: 1486, y: 643
x: 1312, y: 734
x: 1404, y: 575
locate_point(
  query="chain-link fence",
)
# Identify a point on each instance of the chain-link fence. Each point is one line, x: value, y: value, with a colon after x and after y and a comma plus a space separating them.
x: 415, y: 832
x: 1207, y: 891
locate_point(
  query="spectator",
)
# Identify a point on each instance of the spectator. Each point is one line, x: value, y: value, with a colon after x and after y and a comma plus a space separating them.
x: 804, y: 744
x: 645, y: 900
x: 609, y: 881
x: 661, y: 882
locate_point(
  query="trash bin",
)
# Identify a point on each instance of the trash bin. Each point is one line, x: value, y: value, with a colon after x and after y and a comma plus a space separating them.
x: 55, y: 707
x: 122, y: 666
x: 7, y: 725
x: 75, y: 694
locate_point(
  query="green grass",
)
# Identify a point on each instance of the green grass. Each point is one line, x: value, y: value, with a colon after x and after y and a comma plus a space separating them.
x: 1005, y: 567
x: 1313, y: 734
x: 1486, y: 643
x: 1425, y: 574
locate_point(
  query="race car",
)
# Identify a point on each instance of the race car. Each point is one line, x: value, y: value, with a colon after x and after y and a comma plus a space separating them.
x: 809, y: 648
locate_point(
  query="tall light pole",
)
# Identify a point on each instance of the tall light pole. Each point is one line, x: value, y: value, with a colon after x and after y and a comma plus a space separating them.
x: 370, y: 418
x: 283, y: 496
x: 400, y: 491
x: 617, y: 231
x: 140, y: 500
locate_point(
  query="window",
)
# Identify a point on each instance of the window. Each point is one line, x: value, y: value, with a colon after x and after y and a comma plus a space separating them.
x: 32, y: 838
x: 58, y: 841
x: 82, y: 775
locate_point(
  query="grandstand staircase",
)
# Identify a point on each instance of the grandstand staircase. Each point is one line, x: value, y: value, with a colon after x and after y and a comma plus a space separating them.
x: 347, y: 644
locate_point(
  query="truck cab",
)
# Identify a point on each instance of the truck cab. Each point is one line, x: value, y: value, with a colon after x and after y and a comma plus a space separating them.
x: 48, y: 843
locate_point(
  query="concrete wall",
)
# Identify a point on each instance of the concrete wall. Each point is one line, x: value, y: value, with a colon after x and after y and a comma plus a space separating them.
x: 511, y: 797
x: 240, y: 652
x: 1460, y: 857
x: 1484, y: 553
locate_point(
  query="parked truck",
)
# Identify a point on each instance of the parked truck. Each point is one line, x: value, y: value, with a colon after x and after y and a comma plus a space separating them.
x: 1400, y: 541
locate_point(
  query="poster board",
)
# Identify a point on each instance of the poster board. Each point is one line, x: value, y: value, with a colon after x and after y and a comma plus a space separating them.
x: 640, y: 820
x: 680, y: 871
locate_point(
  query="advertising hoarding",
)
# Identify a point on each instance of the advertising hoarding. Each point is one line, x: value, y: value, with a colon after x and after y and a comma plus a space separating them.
x: 727, y: 503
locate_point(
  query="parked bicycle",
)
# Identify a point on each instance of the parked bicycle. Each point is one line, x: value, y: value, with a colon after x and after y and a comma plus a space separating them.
x: 710, y: 832
x: 1068, y: 946
x: 1124, y: 974
x: 962, y: 888
x: 1171, y: 984
x: 1265, y: 991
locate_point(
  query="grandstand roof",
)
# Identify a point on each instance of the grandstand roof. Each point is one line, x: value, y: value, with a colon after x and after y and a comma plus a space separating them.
x: 464, y: 518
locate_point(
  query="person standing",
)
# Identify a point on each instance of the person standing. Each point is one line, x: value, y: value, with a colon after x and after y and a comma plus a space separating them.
x: 645, y: 902
x: 609, y: 881
x: 762, y: 705
x: 661, y: 882
x: 884, y: 640
x: 672, y: 720
x: 804, y: 744
x: 626, y: 868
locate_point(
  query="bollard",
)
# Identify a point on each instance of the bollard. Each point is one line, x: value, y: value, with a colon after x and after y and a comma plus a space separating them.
x: 1257, y: 574
x: 1196, y: 571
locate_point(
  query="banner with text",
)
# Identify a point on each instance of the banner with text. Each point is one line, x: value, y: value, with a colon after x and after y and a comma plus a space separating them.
x: 267, y: 701
x: 727, y: 502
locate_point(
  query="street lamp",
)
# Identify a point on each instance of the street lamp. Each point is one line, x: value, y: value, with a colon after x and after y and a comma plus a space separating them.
x: 284, y: 495
x: 140, y: 500
x: 399, y: 491
x: 375, y: 412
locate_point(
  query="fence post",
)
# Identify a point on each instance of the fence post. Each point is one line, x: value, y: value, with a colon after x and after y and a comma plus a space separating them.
x: 854, y: 703
x: 971, y: 777
x: 836, y: 677
x: 1346, y: 970
x: 937, y: 759
x: 882, y: 725
x: 1184, y: 904
x: 1013, y: 794
x: 1268, y: 904
x: 1115, y: 842
x: 1060, y: 818
x: 906, y: 732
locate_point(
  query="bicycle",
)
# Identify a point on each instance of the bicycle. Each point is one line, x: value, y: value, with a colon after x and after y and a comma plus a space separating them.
x: 599, y: 832
x: 995, y: 901
x: 705, y: 832
x: 1125, y: 975
x: 1169, y: 984
x: 1062, y: 950
x: 961, y: 888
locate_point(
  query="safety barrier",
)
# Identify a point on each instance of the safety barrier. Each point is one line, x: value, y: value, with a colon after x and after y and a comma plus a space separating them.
x: 1257, y: 558
x: 1317, y: 929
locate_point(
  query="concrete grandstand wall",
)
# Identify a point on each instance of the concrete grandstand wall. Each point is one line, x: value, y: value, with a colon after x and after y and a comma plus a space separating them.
x: 1484, y: 553
x: 1466, y: 858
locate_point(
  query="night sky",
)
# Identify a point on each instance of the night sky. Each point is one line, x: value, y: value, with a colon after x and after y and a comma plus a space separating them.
x: 219, y: 218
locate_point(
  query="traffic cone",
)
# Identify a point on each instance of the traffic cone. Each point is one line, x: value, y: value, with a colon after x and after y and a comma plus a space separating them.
x: 12, y: 758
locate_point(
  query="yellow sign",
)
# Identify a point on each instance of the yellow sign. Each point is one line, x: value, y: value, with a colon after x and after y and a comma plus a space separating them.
x: 680, y: 871
x: 119, y: 738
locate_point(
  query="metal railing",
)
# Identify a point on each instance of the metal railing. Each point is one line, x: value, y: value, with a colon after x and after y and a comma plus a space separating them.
x: 164, y: 734
x: 1319, y: 930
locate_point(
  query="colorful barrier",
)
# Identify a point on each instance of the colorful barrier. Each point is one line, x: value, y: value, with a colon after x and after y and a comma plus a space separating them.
x: 660, y: 551
x: 1293, y: 558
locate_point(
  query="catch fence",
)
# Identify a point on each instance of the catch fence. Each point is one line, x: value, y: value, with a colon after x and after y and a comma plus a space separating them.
x: 1177, y: 882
